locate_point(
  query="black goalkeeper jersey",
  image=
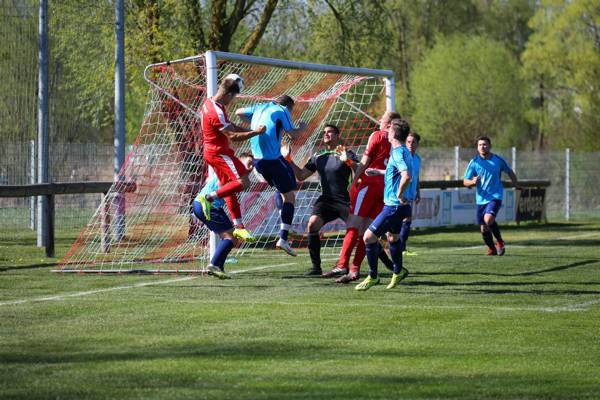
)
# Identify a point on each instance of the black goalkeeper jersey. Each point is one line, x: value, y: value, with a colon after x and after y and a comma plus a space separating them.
x: 335, y: 174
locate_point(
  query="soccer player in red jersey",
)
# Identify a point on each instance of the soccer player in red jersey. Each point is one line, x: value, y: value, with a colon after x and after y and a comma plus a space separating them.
x: 217, y: 131
x: 366, y: 201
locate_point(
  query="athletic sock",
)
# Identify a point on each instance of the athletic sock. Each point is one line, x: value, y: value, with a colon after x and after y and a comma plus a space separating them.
x: 404, y: 232
x: 221, y: 253
x: 314, y: 248
x: 396, y: 253
x: 350, y: 240
x: 488, y: 239
x: 386, y: 260
x: 496, y: 231
x: 359, y: 254
x: 372, y: 250
x: 287, y: 216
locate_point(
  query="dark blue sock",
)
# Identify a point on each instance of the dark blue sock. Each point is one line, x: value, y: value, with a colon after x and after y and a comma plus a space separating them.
x: 488, y: 239
x: 221, y: 253
x: 404, y: 232
x: 372, y: 250
x: 496, y: 231
x: 396, y: 253
x: 383, y: 257
x: 287, y: 216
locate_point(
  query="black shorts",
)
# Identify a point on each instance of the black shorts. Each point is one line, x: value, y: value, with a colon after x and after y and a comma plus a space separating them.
x: 329, y: 210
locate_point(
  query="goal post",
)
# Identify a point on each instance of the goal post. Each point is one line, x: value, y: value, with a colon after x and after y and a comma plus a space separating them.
x: 168, y: 168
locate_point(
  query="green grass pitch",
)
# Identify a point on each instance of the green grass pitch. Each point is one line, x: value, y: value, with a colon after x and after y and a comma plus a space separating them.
x: 462, y: 326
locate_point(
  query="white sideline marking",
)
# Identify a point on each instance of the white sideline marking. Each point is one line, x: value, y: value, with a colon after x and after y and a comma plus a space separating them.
x: 125, y: 287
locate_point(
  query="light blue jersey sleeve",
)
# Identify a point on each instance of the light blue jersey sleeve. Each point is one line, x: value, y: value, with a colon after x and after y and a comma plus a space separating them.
x: 247, y: 112
x: 470, y: 171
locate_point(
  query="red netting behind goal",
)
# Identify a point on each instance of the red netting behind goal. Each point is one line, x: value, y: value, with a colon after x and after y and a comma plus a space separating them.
x: 146, y: 218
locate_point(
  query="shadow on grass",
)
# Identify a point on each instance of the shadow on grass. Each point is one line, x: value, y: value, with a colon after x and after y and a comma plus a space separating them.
x: 30, y: 266
x: 528, y: 273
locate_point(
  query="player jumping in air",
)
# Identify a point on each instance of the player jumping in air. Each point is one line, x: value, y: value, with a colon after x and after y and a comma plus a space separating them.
x: 217, y: 131
x: 266, y: 148
x: 484, y: 172
x: 218, y: 222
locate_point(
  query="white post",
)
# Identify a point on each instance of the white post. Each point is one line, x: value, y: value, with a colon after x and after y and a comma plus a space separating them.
x: 390, y: 94
x: 456, y: 162
x: 119, y: 135
x: 514, y: 159
x: 211, y: 90
x: 43, y: 175
x: 32, y: 180
x: 567, y: 184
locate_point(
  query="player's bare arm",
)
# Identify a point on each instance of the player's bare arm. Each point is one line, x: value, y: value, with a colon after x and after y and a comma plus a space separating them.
x: 238, y: 134
x: 362, y: 166
x: 294, y: 133
x: 404, y: 182
x: 470, y: 182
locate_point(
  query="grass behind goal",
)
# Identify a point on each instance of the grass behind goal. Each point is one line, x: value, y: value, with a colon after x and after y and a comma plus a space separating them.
x: 462, y: 325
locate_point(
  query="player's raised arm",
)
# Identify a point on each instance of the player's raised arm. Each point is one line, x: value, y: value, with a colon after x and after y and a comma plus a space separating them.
x: 300, y: 173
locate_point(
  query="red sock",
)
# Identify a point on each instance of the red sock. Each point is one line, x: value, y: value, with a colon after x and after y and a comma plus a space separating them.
x: 359, y: 254
x: 234, y: 207
x: 229, y: 189
x: 347, y: 247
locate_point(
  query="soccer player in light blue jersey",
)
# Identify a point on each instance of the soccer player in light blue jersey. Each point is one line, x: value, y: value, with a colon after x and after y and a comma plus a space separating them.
x: 218, y: 221
x: 396, y: 200
x: 484, y: 172
x: 412, y: 143
x: 276, y: 116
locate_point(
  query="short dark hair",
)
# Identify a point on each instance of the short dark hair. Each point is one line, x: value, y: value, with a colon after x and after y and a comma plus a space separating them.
x: 285, y: 100
x: 482, y: 137
x: 334, y: 127
x: 229, y: 86
x: 400, y: 129
x: 393, y: 115
x: 416, y: 136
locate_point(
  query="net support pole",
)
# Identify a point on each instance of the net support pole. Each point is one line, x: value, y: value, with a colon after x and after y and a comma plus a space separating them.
x: 211, y: 90
x: 390, y: 91
x: 119, y: 142
x: 514, y: 159
x: 32, y: 180
x: 42, y: 120
x: 456, y: 161
x: 567, y: 184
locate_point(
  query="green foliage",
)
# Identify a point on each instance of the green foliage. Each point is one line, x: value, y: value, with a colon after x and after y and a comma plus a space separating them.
x: 467, y: 86
x: 562, y: 65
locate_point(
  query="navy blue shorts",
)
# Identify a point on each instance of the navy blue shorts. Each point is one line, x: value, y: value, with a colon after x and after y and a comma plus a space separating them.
x: 490, y: 208
x: 219, y: 221
x: 278, y: 173
x: 390, y: 219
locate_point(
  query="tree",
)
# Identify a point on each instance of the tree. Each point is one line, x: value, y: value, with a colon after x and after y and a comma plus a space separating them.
x: 562, y: 64
x: 468, y: 86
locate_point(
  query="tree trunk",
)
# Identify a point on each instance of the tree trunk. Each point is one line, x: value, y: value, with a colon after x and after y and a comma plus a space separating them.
x: 259, y: 30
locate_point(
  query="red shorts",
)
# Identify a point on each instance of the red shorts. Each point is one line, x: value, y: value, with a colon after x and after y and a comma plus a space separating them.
x: 367, y: 200
x: 226, y: 165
